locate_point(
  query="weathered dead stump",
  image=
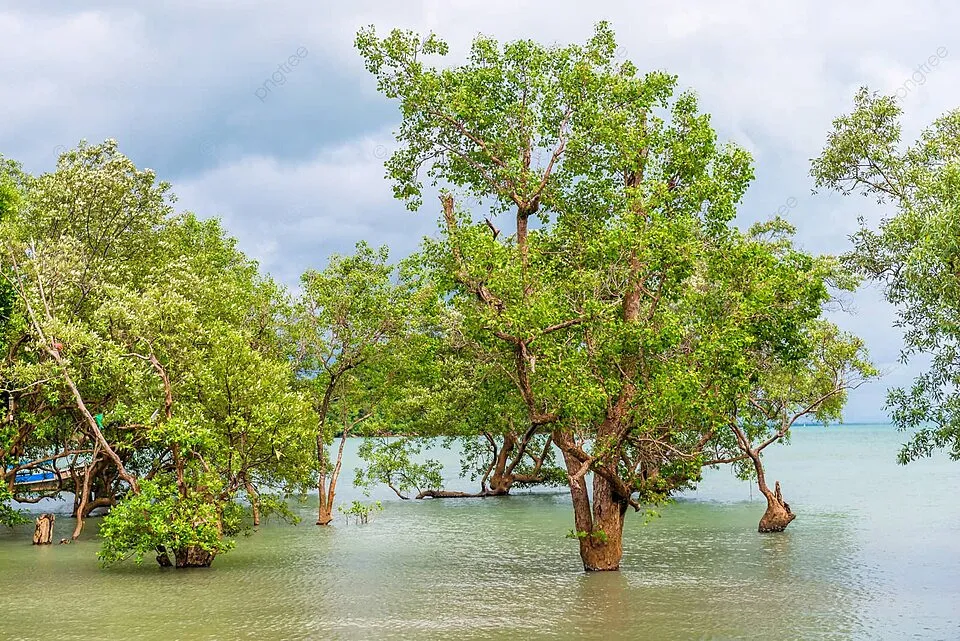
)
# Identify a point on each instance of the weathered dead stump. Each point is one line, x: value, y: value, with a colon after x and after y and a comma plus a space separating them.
x: 43, y: 532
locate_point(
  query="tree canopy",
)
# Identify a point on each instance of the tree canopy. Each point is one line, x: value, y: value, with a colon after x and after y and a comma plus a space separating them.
x: 914, y: 253
x: 627, y: 312
x: 149, y: 358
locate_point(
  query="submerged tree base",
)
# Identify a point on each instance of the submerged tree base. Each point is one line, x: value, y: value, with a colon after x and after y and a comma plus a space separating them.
x: 778, y: 515
x: 193, y: 557
x: 601, y: 558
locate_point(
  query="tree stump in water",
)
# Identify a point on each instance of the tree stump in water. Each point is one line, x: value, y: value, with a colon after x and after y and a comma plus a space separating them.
x: 43, y: 533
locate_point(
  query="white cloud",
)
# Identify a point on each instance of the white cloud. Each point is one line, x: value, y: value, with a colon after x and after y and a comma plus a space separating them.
x: 291, y: 216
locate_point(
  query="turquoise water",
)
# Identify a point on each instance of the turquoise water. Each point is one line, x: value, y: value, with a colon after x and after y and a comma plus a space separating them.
x: 873, y: 554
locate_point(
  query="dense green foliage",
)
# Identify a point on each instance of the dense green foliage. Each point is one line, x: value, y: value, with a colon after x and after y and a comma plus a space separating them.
x: 915, y: 253
x: 11, y: 197
x: 155, y: 321
x: 619, y: 332
x: 627, y: 316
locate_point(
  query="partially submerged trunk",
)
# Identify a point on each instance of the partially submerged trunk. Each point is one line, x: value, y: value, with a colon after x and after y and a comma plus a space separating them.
x: 81, y: 510
x: 500, y: 484
x: 778, y: 515
x: 599, y: 527
x: 162, y: 558
x: 193, y: 556
x: 327, y: 482
x: 602, y: 550
x: 325, y: 515
x: 254, y: 499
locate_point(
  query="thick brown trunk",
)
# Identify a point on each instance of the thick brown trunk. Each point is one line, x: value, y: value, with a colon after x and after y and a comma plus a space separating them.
x: 778, y: 515
x: 600, y: 528
x: 325, y: 516
x: 500, y: 485
x: 602, y: 550
x: 193, y: 556
x: 43, y: 532
x: 500, y: 480
x: 602, y: 555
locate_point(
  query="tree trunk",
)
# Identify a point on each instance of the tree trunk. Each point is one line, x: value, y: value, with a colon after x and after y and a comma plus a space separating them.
x: 500, y: 484
x: 193, y: 556
x: 602, y: 549
x: 325, y: 517
x: 162, y: 557
x: 325, y: 510
x: 84, y: 494
x: 327, y: 487
x: 43, y: 532
x: 600, y: 529
x: 778, y: 515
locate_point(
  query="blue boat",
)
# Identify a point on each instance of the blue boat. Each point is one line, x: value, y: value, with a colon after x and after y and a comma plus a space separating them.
x: 28, y: 476
x: 32, y: 476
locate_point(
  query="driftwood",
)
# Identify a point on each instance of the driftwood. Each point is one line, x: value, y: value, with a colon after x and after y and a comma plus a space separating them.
x: 43, y: 533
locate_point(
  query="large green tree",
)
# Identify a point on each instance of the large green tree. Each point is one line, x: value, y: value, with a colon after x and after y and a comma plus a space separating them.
x: 914, y: 253
x: 600, y: 301
x: 149, y: 361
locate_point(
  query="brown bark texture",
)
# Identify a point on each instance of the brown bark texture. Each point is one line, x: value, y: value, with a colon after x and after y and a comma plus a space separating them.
x: 43, y: 532
x: 778, y: 515
x: 193, y: 556
x: 162, y: 558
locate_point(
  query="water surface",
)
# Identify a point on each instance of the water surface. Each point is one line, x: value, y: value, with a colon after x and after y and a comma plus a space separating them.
x: 874, y: 554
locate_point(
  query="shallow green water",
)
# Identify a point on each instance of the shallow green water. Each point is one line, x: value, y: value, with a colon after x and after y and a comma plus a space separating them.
x: 874, y: 554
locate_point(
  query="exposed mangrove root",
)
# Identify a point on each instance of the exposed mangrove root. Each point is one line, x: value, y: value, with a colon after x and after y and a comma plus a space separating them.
x: 193, y: 556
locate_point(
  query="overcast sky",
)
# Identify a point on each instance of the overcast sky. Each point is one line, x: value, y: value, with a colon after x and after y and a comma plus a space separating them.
x: 297, y: 172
